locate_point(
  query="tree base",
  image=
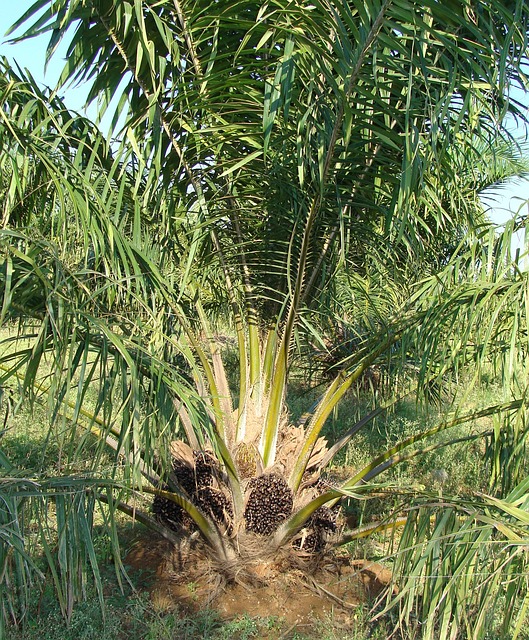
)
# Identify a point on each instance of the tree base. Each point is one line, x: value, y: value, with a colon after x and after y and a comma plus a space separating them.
x: 296, y: 588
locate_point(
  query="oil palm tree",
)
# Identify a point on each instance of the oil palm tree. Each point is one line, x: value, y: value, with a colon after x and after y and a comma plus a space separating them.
x: 266, y: 154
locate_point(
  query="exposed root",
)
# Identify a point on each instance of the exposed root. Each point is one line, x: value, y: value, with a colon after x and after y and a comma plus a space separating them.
x: 285, y: 584
x: 318, y: 588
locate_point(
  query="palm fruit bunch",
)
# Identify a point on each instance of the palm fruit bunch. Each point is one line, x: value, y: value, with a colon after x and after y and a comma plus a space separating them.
x: 205, y: 470
x: 323, y: 523
x: 169, y: 512
x: 318, y: 530
x: 184, y: 476
x: 211, y: 501
x: 269, y: 503
x: 200, y: 481
x: 215, y: 504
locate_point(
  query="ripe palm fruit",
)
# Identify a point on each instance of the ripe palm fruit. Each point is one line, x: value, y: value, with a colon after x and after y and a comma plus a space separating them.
x: 214, y: 503
x: 206, y: 468
x: 269, y: 503
x: 196, y: 476
x: 313, y: 538
x: 170, y: 513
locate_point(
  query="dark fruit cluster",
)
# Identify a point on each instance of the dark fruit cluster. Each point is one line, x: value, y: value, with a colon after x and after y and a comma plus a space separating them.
x: 206, y: 468
x: 169, y: 512
x: 318, y: 529
x: 269, y: 503
x: 184, y: 475
x: 214, y: 504
x: 197, y: 483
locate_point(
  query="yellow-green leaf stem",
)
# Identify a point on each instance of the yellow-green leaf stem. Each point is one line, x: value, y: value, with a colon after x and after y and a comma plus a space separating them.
x: 331, y: 398
x: 275, y: 407
x: 213, y: 395
x: 221, y: 387
x: 300, y: 517
x: 255, y: 352
x: 277, y: 391
x: 233, y: 476
x: 144, y: 518
x: 382, y: 461
x: 269, y: 359
x: 243, y: 382
x: 370, y: 529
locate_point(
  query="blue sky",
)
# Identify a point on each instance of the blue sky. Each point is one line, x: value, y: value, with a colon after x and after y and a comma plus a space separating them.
x: 29, y: 54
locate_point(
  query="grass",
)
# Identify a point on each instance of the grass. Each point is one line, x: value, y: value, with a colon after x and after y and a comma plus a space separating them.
x: 135, y: 617
x: 138, y: 620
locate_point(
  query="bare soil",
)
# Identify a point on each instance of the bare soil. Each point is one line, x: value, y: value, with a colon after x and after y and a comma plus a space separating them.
x: 299, y: 590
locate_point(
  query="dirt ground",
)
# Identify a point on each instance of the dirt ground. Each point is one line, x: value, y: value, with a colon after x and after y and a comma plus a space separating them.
x: 297, y: 589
